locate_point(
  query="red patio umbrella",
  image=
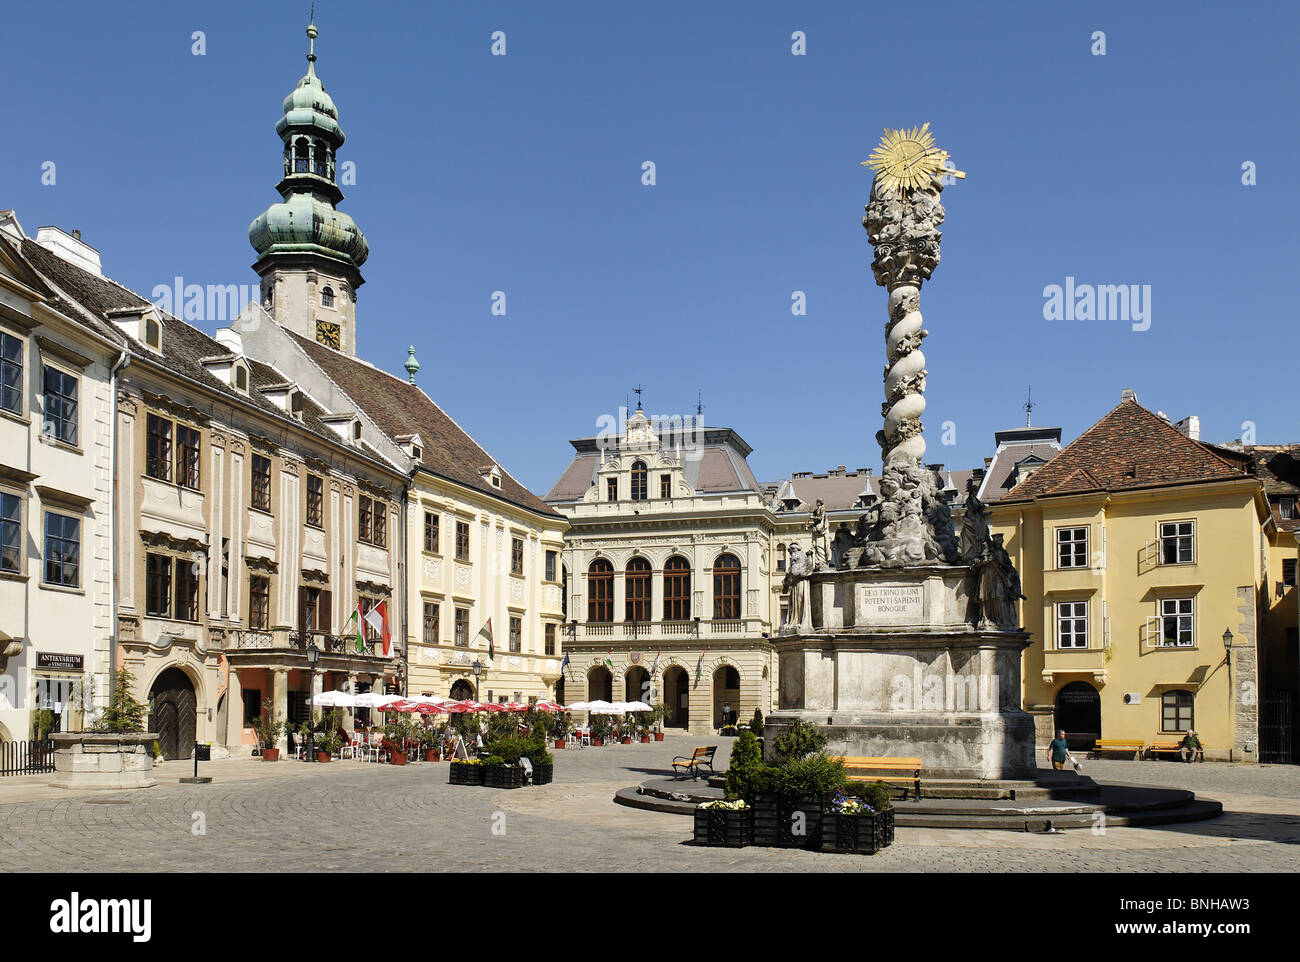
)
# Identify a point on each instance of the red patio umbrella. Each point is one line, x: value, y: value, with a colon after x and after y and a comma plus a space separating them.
x: 548, y: 706
x: 426, y: 709
x: 492, y: 706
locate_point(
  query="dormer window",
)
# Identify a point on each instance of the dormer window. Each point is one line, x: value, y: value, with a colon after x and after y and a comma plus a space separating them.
x: 241, y: 379
x: 356, y: 432
x: 295, y: 404
x: 327, y: 297
x: 415, y: 452
x: 153, y: 333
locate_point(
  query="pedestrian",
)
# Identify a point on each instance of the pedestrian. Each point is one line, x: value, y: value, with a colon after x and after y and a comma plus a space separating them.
x: 1059, y: 751
x: 1190, y: 747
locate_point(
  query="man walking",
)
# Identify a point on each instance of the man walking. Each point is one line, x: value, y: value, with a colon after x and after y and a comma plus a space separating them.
x: 1059, y: 751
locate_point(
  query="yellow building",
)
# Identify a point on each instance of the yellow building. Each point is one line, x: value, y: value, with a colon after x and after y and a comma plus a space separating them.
x: 1145, y: 557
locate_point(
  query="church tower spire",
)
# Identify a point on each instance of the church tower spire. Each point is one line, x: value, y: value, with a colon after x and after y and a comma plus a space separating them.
x: 309, y: 253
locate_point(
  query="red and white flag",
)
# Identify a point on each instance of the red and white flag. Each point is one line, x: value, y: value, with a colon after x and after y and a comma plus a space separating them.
x: 377, y: 618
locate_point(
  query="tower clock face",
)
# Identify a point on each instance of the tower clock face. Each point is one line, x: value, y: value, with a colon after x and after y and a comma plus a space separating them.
x: 327, y: 333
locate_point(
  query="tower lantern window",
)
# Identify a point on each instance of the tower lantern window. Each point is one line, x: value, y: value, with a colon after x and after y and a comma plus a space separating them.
x: 318, y: 154
x: 300, y: 158
x: 327, y: 297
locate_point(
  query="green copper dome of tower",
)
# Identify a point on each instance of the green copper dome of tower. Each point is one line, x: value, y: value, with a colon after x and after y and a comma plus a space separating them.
x: 309, y: 253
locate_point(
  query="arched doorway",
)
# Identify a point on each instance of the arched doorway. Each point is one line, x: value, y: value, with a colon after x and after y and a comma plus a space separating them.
x: 600, y: 684
x: 726, y: 696
x: 462, y: 690
x: 636, y: 685
x: 677, y: 697
x: 559, y: 690
x: 1078, y: 712
x: 173, y: 713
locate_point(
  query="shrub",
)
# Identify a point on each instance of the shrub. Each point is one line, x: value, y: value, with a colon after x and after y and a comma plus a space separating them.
x: 745, y: 772
x: 817, y: 776
x: 601, y: 726
x: 494, y: 761
x: 756, y: 723
x: 507, y: 749
x: 124, y: 715
x: 875, y: 794
x: 560, y: 725
x: 799, y: 741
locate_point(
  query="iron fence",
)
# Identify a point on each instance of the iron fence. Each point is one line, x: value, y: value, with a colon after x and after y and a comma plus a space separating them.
x: 27, y: 758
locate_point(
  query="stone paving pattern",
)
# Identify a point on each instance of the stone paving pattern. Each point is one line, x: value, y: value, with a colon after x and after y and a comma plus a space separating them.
x: 353, y: 816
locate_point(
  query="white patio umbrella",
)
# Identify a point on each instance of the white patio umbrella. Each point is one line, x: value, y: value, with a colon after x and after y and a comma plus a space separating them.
x: 336, y: 699
x: 599, y: 707
x: 372, y: 699
x: 429, y: 699
x: 638, y: 706
x: 580, y: 706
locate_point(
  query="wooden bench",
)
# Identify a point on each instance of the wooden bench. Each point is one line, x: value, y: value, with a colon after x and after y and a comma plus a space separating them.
x: 1176, y: 748
x: 692, y: 765
x: 1118, y: 745
x: 874, y: 764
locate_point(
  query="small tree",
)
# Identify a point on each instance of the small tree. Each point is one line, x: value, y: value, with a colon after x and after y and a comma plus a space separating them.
x: 756, y: 723
x: 800, y: 740
x: 124, y: 715
x: 745, y: 770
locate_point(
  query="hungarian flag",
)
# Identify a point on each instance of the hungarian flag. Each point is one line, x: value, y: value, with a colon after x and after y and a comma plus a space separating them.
x: 377, y: 618
x: 699, y: 666
x: 655, y: 666
x: 486, y: 632
x: 355, y: 620
x: 609, y: 657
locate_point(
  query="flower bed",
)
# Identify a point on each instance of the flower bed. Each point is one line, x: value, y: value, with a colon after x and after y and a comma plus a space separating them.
x: 851, y: 824
x: 729, y: 824
x: 543, y: 774
x: 785, y: 822
x: 503, y: 776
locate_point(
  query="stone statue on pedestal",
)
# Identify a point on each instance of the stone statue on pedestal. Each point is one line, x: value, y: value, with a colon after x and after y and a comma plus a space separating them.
x: 999, y: 586
x: 795, y: 585
x: 819, y: 527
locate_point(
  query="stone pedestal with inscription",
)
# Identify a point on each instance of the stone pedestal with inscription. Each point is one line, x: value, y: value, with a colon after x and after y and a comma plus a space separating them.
x: 889, y: 663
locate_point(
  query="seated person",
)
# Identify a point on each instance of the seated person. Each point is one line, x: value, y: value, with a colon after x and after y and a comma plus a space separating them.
x: 1190, y: 748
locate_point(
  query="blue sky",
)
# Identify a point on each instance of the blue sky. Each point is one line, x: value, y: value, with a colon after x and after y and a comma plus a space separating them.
x: 522, y: 173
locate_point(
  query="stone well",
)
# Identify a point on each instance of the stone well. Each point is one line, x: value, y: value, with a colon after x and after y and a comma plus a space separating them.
x: 103, y: 760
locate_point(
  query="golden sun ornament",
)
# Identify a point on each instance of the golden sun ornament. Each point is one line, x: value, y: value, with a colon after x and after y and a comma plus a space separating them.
x: 908, y: 159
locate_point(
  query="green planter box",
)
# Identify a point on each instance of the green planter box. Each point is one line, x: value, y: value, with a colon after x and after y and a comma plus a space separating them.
x: 861, y: 834
x: 462, y: 774
x: 775, y: 822
x: 502, y: 776
x: 732, y: 829
x: 543, y: 774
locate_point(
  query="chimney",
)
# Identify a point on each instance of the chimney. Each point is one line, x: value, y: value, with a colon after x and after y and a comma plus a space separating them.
x: 76, y: 233
x: 71, y: 248
x: 1190, y: 426
x: 1128, y: 394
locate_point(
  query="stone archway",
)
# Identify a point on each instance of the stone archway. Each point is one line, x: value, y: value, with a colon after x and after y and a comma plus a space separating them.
x: 1078, y: 712
x: 461, y: 690
x: 726, y: 696
x: 636, y: 684
x: 600, y: 684
x: 173, y: 713
x: 677, y: 695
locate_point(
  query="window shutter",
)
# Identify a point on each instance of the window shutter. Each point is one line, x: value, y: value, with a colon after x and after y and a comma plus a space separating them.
x: 324, y: 618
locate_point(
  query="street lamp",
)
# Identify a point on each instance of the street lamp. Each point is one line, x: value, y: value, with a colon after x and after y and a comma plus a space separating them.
x: 478, y: 671
x: 1227, y: 657
x: 313, y: 656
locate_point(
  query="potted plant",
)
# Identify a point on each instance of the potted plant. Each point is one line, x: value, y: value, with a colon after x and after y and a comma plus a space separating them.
x: 327, y: 745
x: 542, y: 761
x: 729, y: 823
x: 600, y: 728
x: 466, y: 771
x: 560, y: 726
x: 862, y: 822
x: 788, y: 805
x: 431, y: 743
x: 660, y: 713
x: 268, y: 735
x: 501, y: 769
x: 396, y: 734
x: 625, y: 728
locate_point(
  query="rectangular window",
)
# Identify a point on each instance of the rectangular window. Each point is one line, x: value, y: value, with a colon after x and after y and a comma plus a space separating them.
x: 430, y: 623
x: 62, y: 550
x: 1071, y: 547
x: 1288, y: 571
x: 550, y: 639
x: 550, y: 565
x: 462, y: 541
x: 158, y: 585
x: 315, y: 500
x: 11, y: 373
x: 1177, y: 709
x: 381, y: 525
x: 158, y: 449
x: 1176, y: 623
x: 363, y: 524
x: 259, y: 602
x: 60, y: 405
x: 516, y: 556
x: 261, y: 482
x: 1286, y: 508
x: 431, y: 532
x: 665, y: 485
x: 516, y: 634
x: 187, y: 590
x: 252, y: 706
x: 462, y: 627
x: 187, y: 457
x: 611, y: 489
x: 1072, y: 624
x: 1176, y: 542
x: 310, y: 600
x: 11, y: 532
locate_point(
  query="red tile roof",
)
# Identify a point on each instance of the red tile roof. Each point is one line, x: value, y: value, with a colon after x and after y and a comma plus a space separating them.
x: 1128, y: 449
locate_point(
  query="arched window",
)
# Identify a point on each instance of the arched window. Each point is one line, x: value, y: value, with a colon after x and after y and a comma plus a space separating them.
x: 318, y: 154
x: 780, y: 557
x: 726, y: 588
x: 677, y: 589
x: 1177, y: 711
x: 300, y: 155
x: 636, y: 588
x: 639, y: 484
x: 600, y: 591
x: 327, y: 297
x: 241, y: 379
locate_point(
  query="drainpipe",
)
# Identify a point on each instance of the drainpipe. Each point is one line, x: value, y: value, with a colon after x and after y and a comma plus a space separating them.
x: 122, y: 362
